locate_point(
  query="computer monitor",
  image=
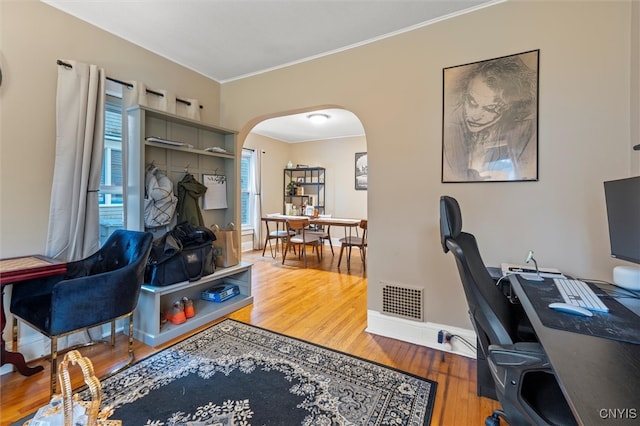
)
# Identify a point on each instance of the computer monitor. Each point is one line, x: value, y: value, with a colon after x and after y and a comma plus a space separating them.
x: 623, y: 213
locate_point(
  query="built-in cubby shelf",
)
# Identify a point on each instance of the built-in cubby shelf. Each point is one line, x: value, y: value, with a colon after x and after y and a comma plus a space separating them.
x: 149, y: 324
x: 180, y: 147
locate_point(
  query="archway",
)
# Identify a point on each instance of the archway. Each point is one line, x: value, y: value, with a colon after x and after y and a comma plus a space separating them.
x: 307, y: 145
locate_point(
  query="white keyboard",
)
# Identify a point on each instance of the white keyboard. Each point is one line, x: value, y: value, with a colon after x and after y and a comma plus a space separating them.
x: 576, y: 292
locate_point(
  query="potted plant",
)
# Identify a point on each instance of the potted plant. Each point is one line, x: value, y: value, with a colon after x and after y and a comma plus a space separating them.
x: 291, y: 188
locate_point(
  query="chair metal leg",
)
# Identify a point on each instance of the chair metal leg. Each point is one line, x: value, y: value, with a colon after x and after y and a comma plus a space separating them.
x: 113, y: 333
x: 340, y: 257
x: 54, y: 348
x: 54, y: 365
x: 303, y: 248
x: 363, y: 255
x: 129, y: 347
x: 284, y: 253
x: 131, y: 356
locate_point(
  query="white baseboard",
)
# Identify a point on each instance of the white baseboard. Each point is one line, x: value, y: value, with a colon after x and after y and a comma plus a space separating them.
x: 421, y: 333
x: 247, y: 246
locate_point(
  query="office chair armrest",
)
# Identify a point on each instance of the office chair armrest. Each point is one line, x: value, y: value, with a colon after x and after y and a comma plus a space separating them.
x: 520, y: 354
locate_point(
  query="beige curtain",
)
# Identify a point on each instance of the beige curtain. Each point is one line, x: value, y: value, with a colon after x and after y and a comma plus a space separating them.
x: 73, y: 217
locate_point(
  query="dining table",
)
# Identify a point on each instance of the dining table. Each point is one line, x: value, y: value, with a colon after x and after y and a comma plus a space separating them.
x: 321, y: 220
x: 13, y: 271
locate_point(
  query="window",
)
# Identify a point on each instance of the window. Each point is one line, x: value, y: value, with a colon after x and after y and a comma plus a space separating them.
x: 110, y: 198
x: 247, y: 171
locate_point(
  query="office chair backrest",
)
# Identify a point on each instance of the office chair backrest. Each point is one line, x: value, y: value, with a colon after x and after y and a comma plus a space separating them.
x: 450, y: 220
x: 488, y: 306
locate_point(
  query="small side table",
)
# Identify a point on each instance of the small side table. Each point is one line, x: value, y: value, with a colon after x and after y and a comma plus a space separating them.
x: 12, y: 271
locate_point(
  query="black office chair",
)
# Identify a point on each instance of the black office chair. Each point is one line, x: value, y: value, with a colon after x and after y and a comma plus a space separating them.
x: 99, y: 289
x: 525, y: 384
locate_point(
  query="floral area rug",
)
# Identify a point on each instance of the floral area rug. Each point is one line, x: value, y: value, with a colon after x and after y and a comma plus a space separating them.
x: 237, y: 374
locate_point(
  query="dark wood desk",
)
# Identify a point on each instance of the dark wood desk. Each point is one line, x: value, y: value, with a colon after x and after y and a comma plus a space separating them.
x: 599, y: 377
x: 13, y: 271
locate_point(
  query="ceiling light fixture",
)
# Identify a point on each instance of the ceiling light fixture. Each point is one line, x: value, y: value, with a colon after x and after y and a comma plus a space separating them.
x: 318, y: 118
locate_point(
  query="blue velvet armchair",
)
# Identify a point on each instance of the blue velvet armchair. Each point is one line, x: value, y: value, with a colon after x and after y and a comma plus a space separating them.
x: 99, y: 289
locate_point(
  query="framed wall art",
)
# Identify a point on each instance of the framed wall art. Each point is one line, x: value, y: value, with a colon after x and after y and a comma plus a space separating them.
x: 490, y: 120
x: 361, y: 171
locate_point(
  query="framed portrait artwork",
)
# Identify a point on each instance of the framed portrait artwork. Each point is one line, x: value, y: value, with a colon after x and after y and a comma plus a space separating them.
x: 490, y: 120
x: 361, y: 171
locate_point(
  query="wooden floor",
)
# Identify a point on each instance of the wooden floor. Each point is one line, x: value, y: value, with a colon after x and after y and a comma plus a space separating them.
x: 320, y: 304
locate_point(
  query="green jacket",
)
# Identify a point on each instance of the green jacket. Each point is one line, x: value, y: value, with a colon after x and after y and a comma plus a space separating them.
x: 188, y: 209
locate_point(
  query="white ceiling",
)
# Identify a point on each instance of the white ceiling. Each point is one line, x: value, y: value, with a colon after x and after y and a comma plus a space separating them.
x: 298, y: 127
x: 231, y: 39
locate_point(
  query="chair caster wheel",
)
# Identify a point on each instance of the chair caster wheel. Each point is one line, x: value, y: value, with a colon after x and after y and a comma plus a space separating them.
x: 493, y: 420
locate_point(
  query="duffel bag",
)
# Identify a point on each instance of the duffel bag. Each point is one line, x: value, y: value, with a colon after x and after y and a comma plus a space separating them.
x: 166, y: 264
x: 197, y: 249
x: 199, y: 260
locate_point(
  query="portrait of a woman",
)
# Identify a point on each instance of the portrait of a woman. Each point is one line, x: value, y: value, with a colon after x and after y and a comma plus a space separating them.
x: 490, y: 120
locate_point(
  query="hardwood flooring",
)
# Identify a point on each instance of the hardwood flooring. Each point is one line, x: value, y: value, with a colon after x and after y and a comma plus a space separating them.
x: 320, y: 304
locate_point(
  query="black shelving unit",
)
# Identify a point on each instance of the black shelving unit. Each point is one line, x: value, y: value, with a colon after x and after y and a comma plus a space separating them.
x: 311, y: 181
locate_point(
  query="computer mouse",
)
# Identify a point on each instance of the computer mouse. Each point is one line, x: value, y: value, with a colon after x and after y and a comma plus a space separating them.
x: 570, y: 309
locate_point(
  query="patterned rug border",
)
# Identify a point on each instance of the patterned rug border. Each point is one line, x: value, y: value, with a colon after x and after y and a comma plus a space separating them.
x: 428, y: 405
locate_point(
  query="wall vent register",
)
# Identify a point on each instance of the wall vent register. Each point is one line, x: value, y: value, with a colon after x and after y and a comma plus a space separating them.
x: 406, y: 302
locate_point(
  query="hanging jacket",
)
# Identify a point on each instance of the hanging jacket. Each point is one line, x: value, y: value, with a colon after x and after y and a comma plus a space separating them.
x: 159, y: 202
x: 189, y: 191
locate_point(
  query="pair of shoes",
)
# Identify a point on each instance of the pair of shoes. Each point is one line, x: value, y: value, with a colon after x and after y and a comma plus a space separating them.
x: 189, y: 310
x: 175, y: 314
x: 180, y: 311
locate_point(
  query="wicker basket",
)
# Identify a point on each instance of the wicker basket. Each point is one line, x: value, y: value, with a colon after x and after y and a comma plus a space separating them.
x: 67, y: 403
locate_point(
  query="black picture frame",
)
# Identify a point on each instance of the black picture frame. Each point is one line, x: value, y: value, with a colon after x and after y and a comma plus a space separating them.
x: 490, y: 120
x: 361, y: 166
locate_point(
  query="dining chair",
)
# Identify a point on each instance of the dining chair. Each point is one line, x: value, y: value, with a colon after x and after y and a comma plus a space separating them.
x: 301, y: 239
x: 323, y: 234
x: 350, y: 241
x: 278, y: 235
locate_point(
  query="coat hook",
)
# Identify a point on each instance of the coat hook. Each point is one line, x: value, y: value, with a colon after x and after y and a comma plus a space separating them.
x: 186, y: 168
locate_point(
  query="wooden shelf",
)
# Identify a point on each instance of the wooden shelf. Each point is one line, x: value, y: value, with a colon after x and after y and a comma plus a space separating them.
x: 190, y: 150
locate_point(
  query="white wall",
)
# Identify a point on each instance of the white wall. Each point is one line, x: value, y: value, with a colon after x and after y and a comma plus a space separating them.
x: 395, y: 87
